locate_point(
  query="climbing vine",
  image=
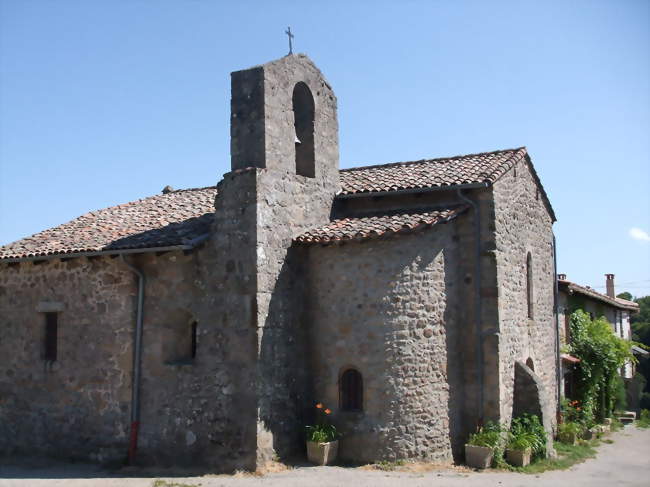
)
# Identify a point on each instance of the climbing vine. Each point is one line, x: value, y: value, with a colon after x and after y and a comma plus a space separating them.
x: 601, y: 355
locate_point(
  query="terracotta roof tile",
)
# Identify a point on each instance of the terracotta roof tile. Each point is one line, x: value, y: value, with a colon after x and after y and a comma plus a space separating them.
x: 376, y: 226
x: 486, y: 167
x: 170, y: 219
x: 179, y: 216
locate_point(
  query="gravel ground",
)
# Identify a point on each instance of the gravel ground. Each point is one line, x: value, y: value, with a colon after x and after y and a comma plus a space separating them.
x: 626, y: 462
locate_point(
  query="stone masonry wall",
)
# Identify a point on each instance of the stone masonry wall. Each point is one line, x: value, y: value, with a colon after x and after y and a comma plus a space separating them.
x: 199, y: 411
x: 78, y: 406
x: 387, y: 308
x: 522, y: 225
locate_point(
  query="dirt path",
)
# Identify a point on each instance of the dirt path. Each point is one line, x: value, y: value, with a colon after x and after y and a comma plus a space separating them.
x: 626, y: 462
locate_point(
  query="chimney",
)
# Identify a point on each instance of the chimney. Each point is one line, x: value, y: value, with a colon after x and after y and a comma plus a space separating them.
x: 609, y: 281
x: 561, y: 277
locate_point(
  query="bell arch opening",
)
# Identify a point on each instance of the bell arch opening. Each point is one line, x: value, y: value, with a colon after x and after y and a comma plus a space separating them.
x: 303, y: 112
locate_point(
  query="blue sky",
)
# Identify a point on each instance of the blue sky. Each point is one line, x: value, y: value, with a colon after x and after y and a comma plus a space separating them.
x: 104, y: 102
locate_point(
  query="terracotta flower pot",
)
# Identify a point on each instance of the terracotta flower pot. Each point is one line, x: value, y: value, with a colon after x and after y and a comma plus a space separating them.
x: 478, y: 456
x: 518, y: 458
x: 322, y: 453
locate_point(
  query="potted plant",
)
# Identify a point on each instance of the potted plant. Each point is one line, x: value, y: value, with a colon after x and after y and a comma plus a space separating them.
x: 569, y: 432
x: 519, y: 448
x: 480, y: 447
x: 322, y: 439
x: 526, y: 439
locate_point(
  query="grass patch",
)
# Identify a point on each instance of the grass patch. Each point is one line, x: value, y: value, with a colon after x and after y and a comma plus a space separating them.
x: 388, y: 466
x: 165, y: 483
x: 567, y: 456
x: 616, y: 425
x: 644, y: 419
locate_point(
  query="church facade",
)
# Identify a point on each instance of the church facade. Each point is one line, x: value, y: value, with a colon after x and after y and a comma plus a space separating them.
x: 200, y: 326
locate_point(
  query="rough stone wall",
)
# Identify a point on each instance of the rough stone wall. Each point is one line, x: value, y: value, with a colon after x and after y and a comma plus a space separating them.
x: 288, y: 205
x: 522, y: 224
x: 388, y: 309
x: 199, y: 411
x: 563, y: 313
x: 77, y: 406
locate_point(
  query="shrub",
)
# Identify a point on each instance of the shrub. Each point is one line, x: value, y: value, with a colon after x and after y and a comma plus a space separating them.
x: 644, y: 419
x: 574, y: 412
x: 620, y: 397
x: 569, y: 429
x: 602, y: 353
x: 644, y: 402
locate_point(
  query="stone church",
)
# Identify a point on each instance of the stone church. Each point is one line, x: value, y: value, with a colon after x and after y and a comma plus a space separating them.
x: 200, y: 326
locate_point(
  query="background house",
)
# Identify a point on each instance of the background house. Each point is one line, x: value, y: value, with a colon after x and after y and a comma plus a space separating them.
x: 616, y: 311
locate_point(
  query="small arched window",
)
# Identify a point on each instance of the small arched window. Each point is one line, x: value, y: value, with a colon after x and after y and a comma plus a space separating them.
x: 351, y: 390
x: 529, y: 284
x: 303, y: 113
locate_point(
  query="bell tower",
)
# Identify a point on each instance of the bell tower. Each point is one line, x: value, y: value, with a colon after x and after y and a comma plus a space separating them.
x: 285, y: 176
x: 283, y: 118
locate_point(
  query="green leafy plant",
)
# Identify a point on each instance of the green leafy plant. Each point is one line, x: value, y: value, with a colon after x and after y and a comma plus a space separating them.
x: 602, y: 353
x: 489, y: 436
x: 322, y: 431
x: 526, y: 431
x: 569, y: 429
x: 574, y: 412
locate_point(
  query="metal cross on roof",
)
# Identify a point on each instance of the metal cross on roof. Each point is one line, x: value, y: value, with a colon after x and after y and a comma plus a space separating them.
x: 290, y: 35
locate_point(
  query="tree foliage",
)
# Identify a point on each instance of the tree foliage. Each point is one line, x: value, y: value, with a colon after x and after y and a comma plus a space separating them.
x: 601, y: 355
x: 641, y: 333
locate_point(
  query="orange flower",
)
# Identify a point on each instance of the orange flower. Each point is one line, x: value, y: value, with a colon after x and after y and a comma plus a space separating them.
x: 319, y: 406
x: 327, y: 411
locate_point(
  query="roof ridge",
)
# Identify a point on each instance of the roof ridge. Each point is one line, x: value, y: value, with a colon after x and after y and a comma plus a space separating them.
x: 421, y: 161
x: 157, y: 195
x: 182, y: 190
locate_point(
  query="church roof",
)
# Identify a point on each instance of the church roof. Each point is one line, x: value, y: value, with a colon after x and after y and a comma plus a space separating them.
x: 176, y: 218
x: 179, y: 218
x: 363, y: 228
x: 486, y: 167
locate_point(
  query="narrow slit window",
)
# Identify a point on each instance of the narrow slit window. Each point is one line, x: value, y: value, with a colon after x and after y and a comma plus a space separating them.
x: 51, y: 336
x: 529, y: 284
x: 351, y: 390
x: 193, y: 342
